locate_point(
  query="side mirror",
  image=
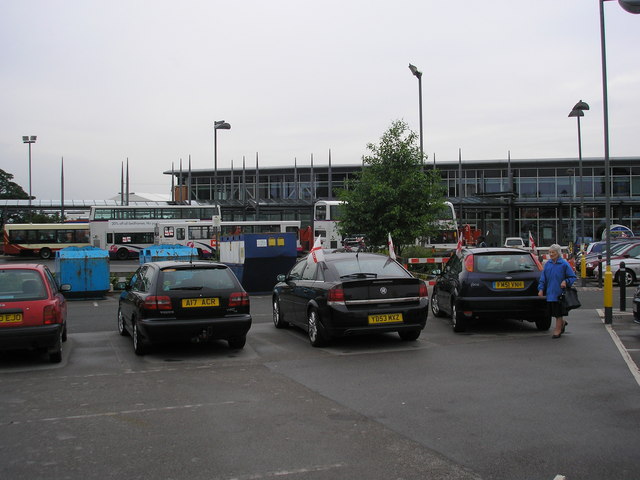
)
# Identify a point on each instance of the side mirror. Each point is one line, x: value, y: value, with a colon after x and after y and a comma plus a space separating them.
x: 436, y: 272
x: 120, y: 286
x: 281, y: 278
x: 65, y: 287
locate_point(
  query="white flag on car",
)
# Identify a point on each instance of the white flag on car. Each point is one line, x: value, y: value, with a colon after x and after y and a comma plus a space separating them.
x: 392, y: 252
x: 316, y: 254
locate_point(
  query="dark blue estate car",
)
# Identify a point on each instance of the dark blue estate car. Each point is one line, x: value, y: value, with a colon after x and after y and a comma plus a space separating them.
x: 184, y: 301
x: 488, y: 283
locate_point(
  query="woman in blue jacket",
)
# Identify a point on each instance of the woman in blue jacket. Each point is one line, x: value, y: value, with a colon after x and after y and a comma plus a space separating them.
x: 557, y: 275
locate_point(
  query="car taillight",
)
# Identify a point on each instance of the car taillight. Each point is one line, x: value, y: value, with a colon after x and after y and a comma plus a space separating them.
x: 335, y: 295
x: 239, y: 299
x: 423, y: 292
x: 468, y: 263
x: 49, y: 315
x: 160, y: 302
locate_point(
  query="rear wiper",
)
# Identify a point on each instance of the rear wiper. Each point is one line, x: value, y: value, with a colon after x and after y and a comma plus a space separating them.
x: 359, y: 275
x: 185, y: 288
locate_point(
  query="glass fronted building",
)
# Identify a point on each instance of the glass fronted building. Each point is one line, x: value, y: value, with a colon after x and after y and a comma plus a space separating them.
x: 502, y: 198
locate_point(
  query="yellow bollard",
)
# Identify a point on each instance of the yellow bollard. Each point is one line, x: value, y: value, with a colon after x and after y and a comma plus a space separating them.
x: 608, y: 295
x: 583, y: 271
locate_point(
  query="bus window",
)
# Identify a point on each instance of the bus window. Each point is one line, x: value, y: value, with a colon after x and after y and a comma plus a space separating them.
x: 321, y: 212
x: 168, y: 232
x: 180, y: 233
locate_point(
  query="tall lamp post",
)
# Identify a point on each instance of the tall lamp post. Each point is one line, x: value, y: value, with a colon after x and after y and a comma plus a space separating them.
x: 29, y: 139
x: 418, y: 75
x: 578, y: 111
x: 631, y: 6
x: 217, y: 125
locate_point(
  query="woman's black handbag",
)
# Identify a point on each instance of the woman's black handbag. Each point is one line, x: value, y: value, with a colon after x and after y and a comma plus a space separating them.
x: 569, y: 299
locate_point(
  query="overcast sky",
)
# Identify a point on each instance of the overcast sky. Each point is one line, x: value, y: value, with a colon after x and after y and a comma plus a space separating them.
x: 102, y: 81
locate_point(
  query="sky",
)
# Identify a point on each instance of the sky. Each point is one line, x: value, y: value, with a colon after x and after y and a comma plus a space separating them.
x: 100, y: 82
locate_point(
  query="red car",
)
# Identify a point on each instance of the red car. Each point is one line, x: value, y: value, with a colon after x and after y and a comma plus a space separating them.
x: 33, y: 311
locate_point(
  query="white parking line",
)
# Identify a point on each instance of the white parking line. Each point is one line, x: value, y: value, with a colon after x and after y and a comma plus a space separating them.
x: 633, y: 368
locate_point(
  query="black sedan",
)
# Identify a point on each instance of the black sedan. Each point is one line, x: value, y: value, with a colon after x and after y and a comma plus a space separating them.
x: 184, y: 301
x: 489, y: 283
x: 350, y: 293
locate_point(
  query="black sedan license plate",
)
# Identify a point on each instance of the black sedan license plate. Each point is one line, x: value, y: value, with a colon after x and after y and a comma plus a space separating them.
x: 385, y: 318
x: 10, y: 317
x: 200, y: 302
x: 508, y: 285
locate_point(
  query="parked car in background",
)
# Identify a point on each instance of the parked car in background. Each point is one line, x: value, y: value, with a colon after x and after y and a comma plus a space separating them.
x: 33, y: 311
x: 350, y: 294
x: 619, y: 251
x: 184, y: 301
x: 489, y: 283
x: 516, y: 242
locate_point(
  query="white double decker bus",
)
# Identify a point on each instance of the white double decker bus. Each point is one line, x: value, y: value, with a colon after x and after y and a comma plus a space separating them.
x: 203, y: 235
x: 125, y: 230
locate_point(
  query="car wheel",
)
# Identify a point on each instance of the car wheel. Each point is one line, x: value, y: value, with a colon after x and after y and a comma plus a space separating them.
x: 55, y: 356
x: 409, y: 335
x: 543, y: 323
x: 139, y: 346
x: 435, y: 305
x: 237, y: 342
x: 315, y: 329
x: 45, y: 254
x: 122, y: 254
x: 122, y: 330
x: 459, y: 322
x: 277, y: 315
x: 629, y: 276
x: 64, y: 332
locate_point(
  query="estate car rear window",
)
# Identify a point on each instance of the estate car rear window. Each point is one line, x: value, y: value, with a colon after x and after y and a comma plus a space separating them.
x: 504, y: 263
x: 379, y: 266
x: 196, y: 279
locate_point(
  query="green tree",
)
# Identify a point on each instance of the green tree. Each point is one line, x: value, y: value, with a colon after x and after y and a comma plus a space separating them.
x: 10, y: 189
x: 393, y: 193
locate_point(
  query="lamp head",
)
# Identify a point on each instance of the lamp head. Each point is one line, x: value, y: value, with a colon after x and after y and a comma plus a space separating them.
x: 631, y: 6
x: 415, y: 71
x: 581, y: 106
x: 221, y: 125
x: 576, y: 113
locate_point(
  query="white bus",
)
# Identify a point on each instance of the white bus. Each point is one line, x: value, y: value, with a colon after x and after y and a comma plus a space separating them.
x: 326, y: 219
x: 124, y: 230
x: 43, y: 238
x: 202, y: 235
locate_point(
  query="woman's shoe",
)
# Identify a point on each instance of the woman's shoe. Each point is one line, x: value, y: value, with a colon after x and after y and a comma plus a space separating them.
x: 564, y: 325
x: 556, y: 336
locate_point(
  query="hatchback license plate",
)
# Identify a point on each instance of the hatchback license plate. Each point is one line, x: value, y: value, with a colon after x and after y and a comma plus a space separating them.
x: 508, y: 285
x: 10, y: 318
x: 200, y: 302
x: 385, y: 318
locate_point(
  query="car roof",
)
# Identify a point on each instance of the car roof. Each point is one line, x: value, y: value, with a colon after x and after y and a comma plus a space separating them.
x: 22, y: 266
x: 510, y: 250
x: 184, y: 264
x: 334, y: 255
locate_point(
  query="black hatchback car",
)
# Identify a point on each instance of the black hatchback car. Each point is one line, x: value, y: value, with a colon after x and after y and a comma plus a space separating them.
x: 489, y: 283
x: 184, y: 301
x: 350, y: 294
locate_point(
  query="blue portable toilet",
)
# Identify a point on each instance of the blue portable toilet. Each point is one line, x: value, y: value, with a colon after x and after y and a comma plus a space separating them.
x: 157, y: 253
x: 258, y: 258
x: 86, y: 269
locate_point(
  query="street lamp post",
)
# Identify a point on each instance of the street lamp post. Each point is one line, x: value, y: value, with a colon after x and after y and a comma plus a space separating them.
x: 631, y: 6
x: 418, y: 75
x: 29, y: 139
x: 217, y: 125
x: 578, y: 111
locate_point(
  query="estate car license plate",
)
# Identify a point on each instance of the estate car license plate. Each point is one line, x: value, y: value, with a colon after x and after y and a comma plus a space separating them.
x: 10, y: 317
x: 200, y: 302
x: 385, y: 318
x: 508, y: 284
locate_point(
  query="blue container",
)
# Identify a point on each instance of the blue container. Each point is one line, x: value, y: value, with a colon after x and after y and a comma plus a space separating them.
x: 258, y: 258
x: 86, y: 269
x: 158, y: 253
